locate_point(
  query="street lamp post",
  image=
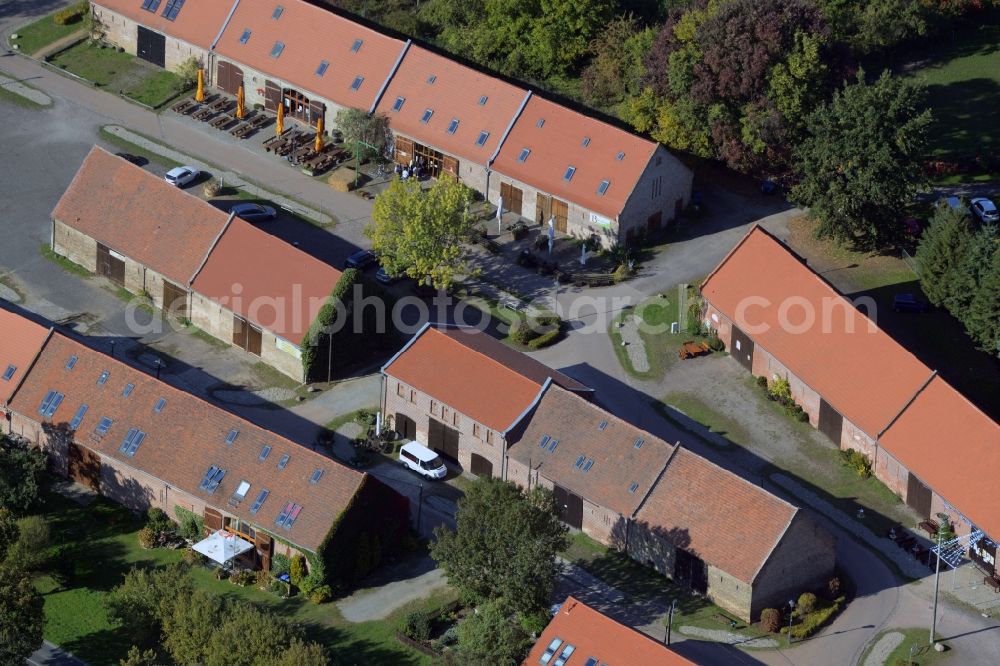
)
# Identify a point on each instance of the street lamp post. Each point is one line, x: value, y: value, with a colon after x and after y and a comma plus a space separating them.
x: 670, y: 619
x: 791, y: 608
x: 937, y: 575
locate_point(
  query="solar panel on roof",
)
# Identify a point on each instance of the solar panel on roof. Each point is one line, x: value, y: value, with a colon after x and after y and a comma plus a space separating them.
x: 103, y: 426
x: 172, y: 9
x: 261, y: 496
x: 151, y: 5
x: 9, y: 372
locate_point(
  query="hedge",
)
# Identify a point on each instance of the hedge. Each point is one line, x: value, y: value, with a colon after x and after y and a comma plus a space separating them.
x: 71, y: 14
x: 183, y: 516
x: 546, y: 339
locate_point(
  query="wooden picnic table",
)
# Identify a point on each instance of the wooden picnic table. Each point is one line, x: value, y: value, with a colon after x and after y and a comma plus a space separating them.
x: 184, y: 105
x: 204, y: 114
x: 691, y: 349
x: 222, y: 121
x: 930, y: 527
x: 242, y: 131
x: 220, y: 104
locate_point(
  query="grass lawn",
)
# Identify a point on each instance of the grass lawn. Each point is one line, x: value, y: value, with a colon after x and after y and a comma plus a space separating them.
x: 698, y: 410
x: 350, y: 417
x: 962, y: 76
x: 63, y: 262
x: 32, y: 37
x: 656, y: 313
x: 914, y: 647
x: 114, y: 71
x: 100, y: 546
x: 9, y: 95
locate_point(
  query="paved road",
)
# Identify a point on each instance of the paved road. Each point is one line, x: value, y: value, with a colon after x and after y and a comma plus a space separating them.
x: 53, y: 655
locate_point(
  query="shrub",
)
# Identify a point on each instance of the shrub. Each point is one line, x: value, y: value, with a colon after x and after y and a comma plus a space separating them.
x: 158, y: 521
x: 762, y: 382
x: 545, y: 339
x: 449, y: 637
x: 278, y: 588
x: 280, y: 564
x: 71, y: 14
x: 781, y: 390
x: 262, y: 579
x: 534, y: 623
x: 417, y: 625
x: 297, y: 571
x: 521, y: 332
x: 859, y: 462
x: 147, y: 538
x: 621, y: 273
x: 812, y: 622
x: 192, y: 556
x: 770, y: 620
x: 190, y: 528
x: 833, y: 587
x: 716, y: 344
x: 800, y: 414
x: 220, y: 574
x: 242, y: 578
x: 807, y: 603
x: 212, y: 188
x: 320, y: 594
x: 365, y: 418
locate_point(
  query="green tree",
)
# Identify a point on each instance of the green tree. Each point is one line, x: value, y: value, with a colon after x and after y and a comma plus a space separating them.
x: 30, y: 549
x: 300, y: 653
x: 137, y: 657
x: 505, y: 544
x: 860, y: 164
x: 422, y: 233
x: 796, y: 85
x: 942, y: 247
x: 188, y: 629
x: 248, y: 636
x: 367, y: 132
x: 617, y: 67
x: 21, y: 468
x: 492, y: 635
x: 9, y: 533
x: 22, y: 618
x: 146, y: 598
x: 983, y: 317
x: 969, y: 273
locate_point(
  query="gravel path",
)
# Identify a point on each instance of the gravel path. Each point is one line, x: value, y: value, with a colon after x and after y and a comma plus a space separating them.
x: 722, y: 636
x: 634, y: 345
x: 379, y: 602
x: 883, y: 648
x: 27, y: 92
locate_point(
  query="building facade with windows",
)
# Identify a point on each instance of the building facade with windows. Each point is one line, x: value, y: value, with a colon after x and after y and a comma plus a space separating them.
x: 143, y: 443
x: 460, y: 391
x: 780, y: 319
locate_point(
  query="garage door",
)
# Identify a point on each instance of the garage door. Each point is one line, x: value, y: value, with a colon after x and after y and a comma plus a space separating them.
x: 742, y: 348
x: 405, y: 426
x: 570, y: 506
x: 512, y: 197
x: 151, y: 46
x: 691, y: 571
x: 481, y: 466
x: 443, y: 439
x: 174, y: 300
x: 110, y: 264
x: 831, y: 423
x: 918, y: 496
x: 228, y: 77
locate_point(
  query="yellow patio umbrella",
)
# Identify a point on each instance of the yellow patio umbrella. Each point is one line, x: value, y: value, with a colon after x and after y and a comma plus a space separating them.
x: 318, y: 145
x: 199, y: 95
x: 279, y: 125
x: 240, y: 104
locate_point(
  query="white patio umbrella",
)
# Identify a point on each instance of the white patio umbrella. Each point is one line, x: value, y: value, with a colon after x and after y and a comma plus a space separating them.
x: 499, y: 215
x: 583, y: 255
x: 222, y: 546
x: 552, y: 233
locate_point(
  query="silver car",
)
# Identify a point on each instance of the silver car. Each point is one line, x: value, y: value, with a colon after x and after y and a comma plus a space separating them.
x: 985, y: 210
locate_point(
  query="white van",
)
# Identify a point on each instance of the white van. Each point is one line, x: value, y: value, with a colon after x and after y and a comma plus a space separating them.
x: 422, y: 460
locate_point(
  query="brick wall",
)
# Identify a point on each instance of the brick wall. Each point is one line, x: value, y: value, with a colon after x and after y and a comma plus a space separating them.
x: 473, y: 436
x: 123, y: 31
x: 664, y: 182
x: 803, y: 560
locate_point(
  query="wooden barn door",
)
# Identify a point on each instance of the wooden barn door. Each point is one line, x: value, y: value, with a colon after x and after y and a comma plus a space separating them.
x: 742, y: 348
x: 543, y: 208
x: 265, y: 546
x: 831, y: 423
x: 174, y: 300
x: 109, y: 265
x: 213, y: 520
x: 560, y: 211
x: 449, y: 166
x: 570, y: 506
x: 443, y: 439
x: 481, y: 466
x: 512, y: 197
x: 272, y: 95
x: 405, y: 426
x: 255, y: 338
x: 151, y: 46
x: 918, y: 496
x: 85, y: 467
x: 404, y: 150
x: 691, y: 571
x: 240, y: 331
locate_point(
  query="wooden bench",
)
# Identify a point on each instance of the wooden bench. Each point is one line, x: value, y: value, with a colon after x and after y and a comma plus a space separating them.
x: 930, y: 527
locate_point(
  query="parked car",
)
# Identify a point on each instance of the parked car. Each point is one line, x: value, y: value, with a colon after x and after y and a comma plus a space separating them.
x: 252, y: 212
x: 181, y: 176
x: 985, y: 210
x: 908, y: 303
x: 422, y: 460
x: 361, y: 260
x: 386, y: 279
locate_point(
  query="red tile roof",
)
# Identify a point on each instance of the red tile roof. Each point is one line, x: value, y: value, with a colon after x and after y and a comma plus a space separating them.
x: 716, y: 515
x: 856, y: 367
x: 426, y: 80
x: 140, y: 215
x: 616, y: 462
x: 311, y: 35
x: 474, y: 374
x: 265, y: 280
x: 558, y: 144
x: 187, y: 437
x: 197, y: 23
x: 20, y: 341
x: 594, y: 634
x: 954, y: 448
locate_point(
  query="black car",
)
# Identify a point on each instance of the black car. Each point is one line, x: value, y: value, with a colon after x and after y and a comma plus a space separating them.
x: 383, y: 277
x: 361, y: 259
x: 908, y: 303
x: 252, y: 212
